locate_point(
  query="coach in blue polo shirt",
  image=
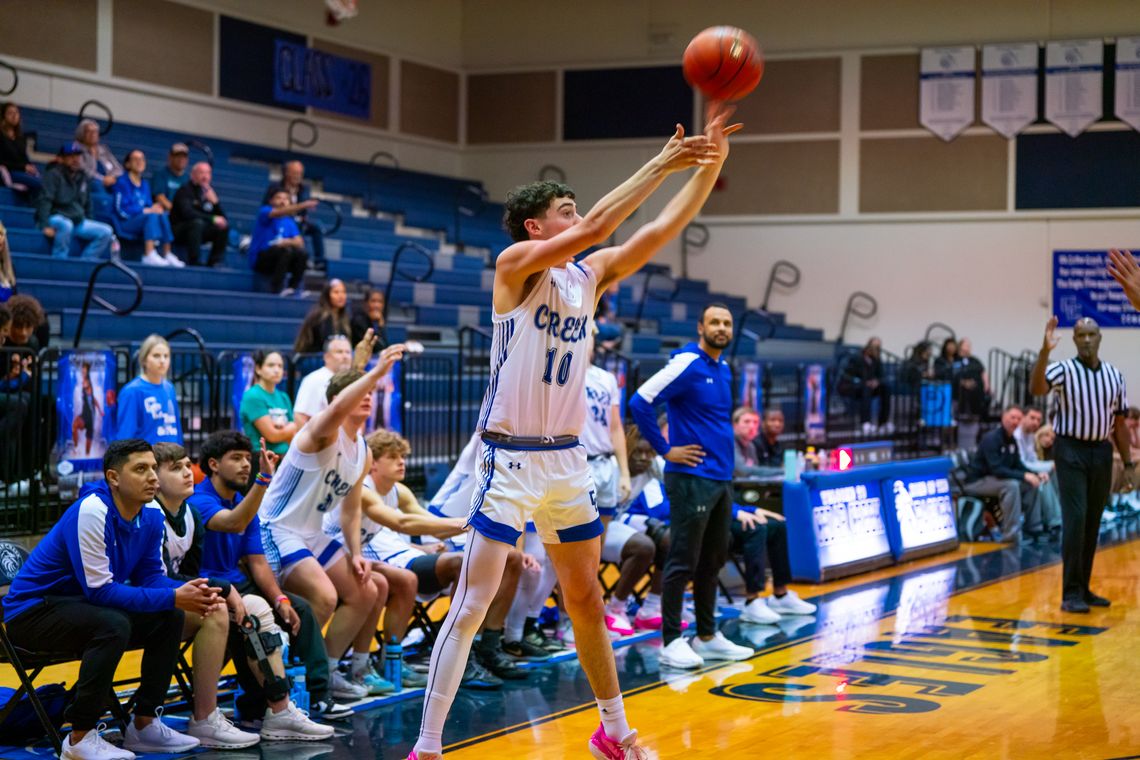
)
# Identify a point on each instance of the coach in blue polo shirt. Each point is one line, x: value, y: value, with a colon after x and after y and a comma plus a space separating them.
x: 696, y: 386
x: 276, y: 247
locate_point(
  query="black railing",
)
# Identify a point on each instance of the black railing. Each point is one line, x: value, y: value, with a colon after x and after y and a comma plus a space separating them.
x: 206, y: 149
x: 552, y: 172
x: 474, y: 371
x: 1009, y: 377
x: 624, y: 367
x: 752, y: 315
x: 860, y: 305
x: 783, y: 273
x: 694, y: 237
x: 91, y: 296
x: 370, y: 186
x: 647, y: 288
x: 395, y: 271
x: 429, y: 398
x: 83, y: 114
x: 15, y: 78
x: 470, y: 200
x: 338, y: 218
x: 934, y: 328
x: 291, y: 138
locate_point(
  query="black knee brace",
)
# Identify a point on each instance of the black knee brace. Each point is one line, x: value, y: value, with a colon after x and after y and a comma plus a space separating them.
x: 259, y: 646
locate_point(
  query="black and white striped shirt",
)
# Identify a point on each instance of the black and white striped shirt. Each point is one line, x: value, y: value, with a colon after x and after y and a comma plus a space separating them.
x: 1087, y: 400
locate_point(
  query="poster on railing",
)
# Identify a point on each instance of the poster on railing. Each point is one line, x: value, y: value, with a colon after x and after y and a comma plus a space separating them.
x: 243, y: 381
x: 1083, y: 288
x: 86, y: 410
x: 750, y: 392
x: 1128, y: 81
x: 815, y: 404
x: 1009, y: 87
x: 946, y: 100
x: 1074, y: 70
x: 619, y: 367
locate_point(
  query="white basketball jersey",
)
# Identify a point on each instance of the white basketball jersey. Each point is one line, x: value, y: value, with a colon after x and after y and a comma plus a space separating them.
x: 306, y: 486
x: 601, y: 395
x: 176, y: 545
x: 538, y: 358
x: 368, y: 527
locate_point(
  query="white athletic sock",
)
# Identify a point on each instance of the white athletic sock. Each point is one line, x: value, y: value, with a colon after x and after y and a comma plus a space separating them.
x: 613, y: 718
x: 360, y: 664
x: 652, y: 601
x: 334, y: 665
x: 618, y: 604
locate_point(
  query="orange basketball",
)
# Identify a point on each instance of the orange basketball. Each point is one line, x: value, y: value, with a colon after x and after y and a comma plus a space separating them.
x: 724, y: 63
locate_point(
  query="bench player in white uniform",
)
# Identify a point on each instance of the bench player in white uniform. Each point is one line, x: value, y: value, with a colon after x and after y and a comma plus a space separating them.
x: 531, y: 464
x: 325, y: 467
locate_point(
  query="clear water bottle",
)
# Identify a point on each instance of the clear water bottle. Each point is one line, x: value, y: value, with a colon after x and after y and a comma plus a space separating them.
x: 394, y: 665
x: 791, y: 467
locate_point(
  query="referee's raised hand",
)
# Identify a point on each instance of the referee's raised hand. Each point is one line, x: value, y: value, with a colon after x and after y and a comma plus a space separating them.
x: 1051, y: 340
x: 1124, y: 269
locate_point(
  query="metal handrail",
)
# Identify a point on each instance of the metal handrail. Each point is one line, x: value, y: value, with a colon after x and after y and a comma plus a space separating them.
x: 552, y: 169
x: 645, y: 295
x: 196, y: 143
x: 467, y: 190
x: 291, y: 140
x: 203, y: 353
x: 764, y: 317
x: 852, y: 310
x: 369, y: 203
x: 330, y: 231
x: 695, y: 235
x: 110, y: 116
x: 775, y: 279
x: 117, y: 311
x: 15, y: 77
x: 409, y: 245
x: 936, y: 325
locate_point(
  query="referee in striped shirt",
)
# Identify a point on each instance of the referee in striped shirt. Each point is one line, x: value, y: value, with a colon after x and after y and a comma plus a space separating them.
x: 1091, y: 407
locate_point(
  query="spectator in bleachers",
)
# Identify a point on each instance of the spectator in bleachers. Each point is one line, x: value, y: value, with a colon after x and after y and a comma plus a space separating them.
x: 972, y: 383
x: 198, y: 217
x: 64, y: 207
x: 140, y: 215
x: 769, y: 448
x: 916, y: 367
x: 293, y: 183
x: 7, y: 273
x: 266, y: 411
x: 1049, y: 497
x: 276, y: 247
x: 1046, y: 437
x: 13, y: 405
x: 996, y: 470
x: 148, y: 405
x: 14, y: 152
x: 745, y: 428
x: 97, y: 160
x: 944, y: 362
x: 331, y: 316
x: 862, y: 381
x: 370, y: 316
x: 167, y: 180
x: 311, y: 395
x: 28, y: 323
x: 1132, y: 422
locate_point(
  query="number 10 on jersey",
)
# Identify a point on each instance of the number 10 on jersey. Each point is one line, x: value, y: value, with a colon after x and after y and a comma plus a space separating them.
x: 563, y: 367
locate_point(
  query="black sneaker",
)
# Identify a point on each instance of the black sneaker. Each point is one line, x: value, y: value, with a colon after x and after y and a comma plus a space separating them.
x: 526, y: 651
x: 1096, y: 601
x: 498, y: 662
x: 537, y: 637
x: 330, y: 710
x: 475, y: 676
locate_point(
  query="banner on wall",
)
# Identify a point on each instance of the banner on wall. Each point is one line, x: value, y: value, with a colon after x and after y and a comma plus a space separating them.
x: 815, y: 404
x: 946, y: 100
x: 86, y: 408
x: 1128, y: 81
x: 1074, y: 70
x: 1009, y: 87
x: 1082, y: 288
x: 303, y: 76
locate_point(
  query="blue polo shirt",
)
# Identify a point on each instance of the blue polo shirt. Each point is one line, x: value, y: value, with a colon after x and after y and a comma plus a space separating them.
x: 221, y: 551
x: 267, y: 229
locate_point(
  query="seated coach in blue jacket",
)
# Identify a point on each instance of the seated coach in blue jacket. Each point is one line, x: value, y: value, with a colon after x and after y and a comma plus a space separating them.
x: 94, y: 588
x: 696, y: 386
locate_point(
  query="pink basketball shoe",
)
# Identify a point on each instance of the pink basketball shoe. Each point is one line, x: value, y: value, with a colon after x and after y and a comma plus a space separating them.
x: 605, y: 748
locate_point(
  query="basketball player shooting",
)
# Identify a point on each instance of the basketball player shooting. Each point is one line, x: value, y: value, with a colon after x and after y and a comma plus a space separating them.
x: 531, y: 466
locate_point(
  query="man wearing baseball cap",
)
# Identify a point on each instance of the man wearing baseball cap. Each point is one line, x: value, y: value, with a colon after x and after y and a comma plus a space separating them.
x: 64, y: 207
x: 169, y: 178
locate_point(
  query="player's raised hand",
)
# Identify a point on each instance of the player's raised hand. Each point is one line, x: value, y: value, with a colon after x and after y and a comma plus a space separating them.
x: 717, y: 128
x: 268, y: 460
x: 1124, y: 269
x: 364, y: 349
x: 682, y: 152
x: 388, y: 357
x: 1051, y: 339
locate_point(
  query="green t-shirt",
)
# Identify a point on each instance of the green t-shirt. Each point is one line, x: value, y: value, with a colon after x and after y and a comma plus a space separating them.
x: 257, y: 403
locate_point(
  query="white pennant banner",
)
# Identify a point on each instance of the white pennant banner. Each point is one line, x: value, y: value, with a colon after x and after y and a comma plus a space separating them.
x: 1009, y: 87
x: 1074, y: 71
x: 946, y: 100
x: 1128, y: 81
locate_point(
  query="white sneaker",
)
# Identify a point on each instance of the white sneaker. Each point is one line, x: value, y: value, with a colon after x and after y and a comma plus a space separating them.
x: 869, y: 428
x: 173, y: 261
x: 758, y: 611
x: 680, y: 655
x: 291, y: 724
x: 286, y: 292
x: 154, y: 260
x: 218, y: 732
x: 790, y: 604
x: 342, y: 688
x: 720, y: 648
x: 158, y: 737
x: 93, y: 747
x: 566, y: 629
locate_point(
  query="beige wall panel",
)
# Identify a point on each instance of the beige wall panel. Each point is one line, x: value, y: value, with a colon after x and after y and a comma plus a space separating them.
x: 888, y: 92
x: 380, y: 66
x: 794, y: 96
x: 56, y: 31
x: 511, y: 108
x: 429, y: 102
x: 164, y: 43
x: 779, y: 178
x: 927, y: 174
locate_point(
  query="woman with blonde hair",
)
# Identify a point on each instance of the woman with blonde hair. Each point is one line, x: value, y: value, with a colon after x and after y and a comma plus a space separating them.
x: 7, y: 274
x: 148, y: 405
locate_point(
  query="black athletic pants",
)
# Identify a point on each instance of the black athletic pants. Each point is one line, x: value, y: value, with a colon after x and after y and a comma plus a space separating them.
x: 1084, y: 478
x: 72, y: 626
x: 764, y: 541
x: 700, y: 512
x: 279, y: 260
x: 194, y: 232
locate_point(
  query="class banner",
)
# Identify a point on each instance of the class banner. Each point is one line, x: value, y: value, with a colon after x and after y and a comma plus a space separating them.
x: 946, y: 100
x: 1128, y: 81
x: 1009, y: 87
x: 86, y: 409
x: 1083, y: 288
x: 750, y: 391
x: 1074, y: 70
x: 304, y: 76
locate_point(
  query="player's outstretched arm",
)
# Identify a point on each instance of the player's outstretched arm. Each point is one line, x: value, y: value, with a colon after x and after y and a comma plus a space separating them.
x: 409, y: 523
x: 524, y: 258
x: 613, y: 264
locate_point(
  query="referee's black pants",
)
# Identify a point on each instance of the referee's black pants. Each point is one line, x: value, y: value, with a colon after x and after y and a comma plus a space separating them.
x: 700, y: 514
x: 1084, y: 478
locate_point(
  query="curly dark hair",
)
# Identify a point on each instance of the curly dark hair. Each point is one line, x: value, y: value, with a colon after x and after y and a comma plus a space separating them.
x: 26, y: 311
x: 531, y: 201
x: 218, y: 445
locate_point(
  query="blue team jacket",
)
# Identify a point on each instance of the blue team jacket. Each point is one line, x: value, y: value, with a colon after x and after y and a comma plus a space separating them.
x: 93, y: 552
x: 697, y: 392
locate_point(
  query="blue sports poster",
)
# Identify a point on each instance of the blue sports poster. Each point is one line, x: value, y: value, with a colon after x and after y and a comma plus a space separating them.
x: 1082, y: 287
x: 937, y: 404
x: 243, y: 381
x: 303, y: 76
x: 86, y: 407
x: 815, y: 404
x: 618, y: 367
x: 750, y: 392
